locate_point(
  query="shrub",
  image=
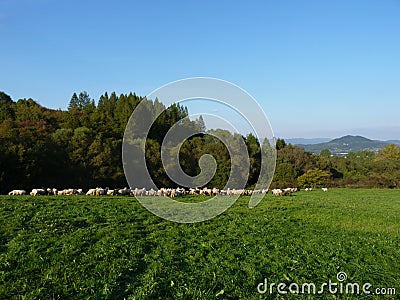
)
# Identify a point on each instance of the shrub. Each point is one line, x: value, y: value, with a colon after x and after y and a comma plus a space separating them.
x: 314, y: 178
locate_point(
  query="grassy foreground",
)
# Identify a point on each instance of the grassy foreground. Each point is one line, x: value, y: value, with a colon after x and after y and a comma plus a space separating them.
x: 81, y: 247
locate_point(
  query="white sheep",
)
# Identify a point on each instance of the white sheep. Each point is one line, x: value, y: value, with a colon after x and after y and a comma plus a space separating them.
x: 69, y: 191
x: 277, y: 192
x: 101, y: 191
x: 17, y: 192
x: 36, y: 192
x: 151, y: 192
x: 125, y: 191
x: 193, y: 191
x: 91, y: 192
x: 111, y: 192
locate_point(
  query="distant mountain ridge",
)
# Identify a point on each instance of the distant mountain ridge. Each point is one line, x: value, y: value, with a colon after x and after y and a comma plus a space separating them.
x: 345, y: 144
x: 307, y: 141
x: 396, y: 142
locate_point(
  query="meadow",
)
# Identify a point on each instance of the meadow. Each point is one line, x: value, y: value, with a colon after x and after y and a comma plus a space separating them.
x: 83, y: 247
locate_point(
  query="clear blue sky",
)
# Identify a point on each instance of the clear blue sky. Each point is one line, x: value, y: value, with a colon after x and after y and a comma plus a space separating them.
x: 318, y: 68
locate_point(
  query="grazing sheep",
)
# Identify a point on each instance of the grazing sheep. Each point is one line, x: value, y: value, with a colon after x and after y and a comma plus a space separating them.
x: 101, y: 191
x: 111, y: 192
x: 222, y: 192
x: 91, y: 192
x: 277, y: 192
x: 151, y: 192
x: 36, y: 192
x: 17, y: 192
x: 181, y: 191
x: 325, y: 189
x: 125, y: 191
x: 142, y: 192
x: 171, y: 192
x: 215, y: 191
x: 206, y: 192
x: 69, y: 191
x: 287, y: 191
x: 193, y: 191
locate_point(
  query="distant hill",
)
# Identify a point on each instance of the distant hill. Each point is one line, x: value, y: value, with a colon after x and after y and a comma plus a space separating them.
x: 346, y: 144
x: 303, y: 141
x: 396, y: 142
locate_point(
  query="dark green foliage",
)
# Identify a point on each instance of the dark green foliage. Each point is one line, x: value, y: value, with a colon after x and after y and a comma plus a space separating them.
x: 284, y: 172
x: 280, y: 144
x: 5, y: 99
x: 73, y: 103
x: 78, y: 147
x: 325, y: 153
x: 315, y: 178
x: 254, y: 150
x: 82, y: 102
x: 6, y: 107
x: 82, y: 247
x: 202, y: 125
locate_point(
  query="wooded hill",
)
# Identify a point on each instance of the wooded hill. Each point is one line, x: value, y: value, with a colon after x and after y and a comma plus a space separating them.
x: 346, y: 144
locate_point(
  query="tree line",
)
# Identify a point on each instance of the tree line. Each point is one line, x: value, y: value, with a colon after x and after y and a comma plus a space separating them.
x: 81, y: 146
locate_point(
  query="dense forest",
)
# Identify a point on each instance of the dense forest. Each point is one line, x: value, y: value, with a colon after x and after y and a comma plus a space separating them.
x: 81, y: 147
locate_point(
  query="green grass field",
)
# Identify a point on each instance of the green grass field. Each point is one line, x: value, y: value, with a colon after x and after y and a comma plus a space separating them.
x: 81, y: 247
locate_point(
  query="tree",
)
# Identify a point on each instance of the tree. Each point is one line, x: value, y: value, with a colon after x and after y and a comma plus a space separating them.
x: 314, y: 178
x: 6, y: 112
x: 296, y: 156
x: 202, y: 125
x: 80, y: 102
x: 254, y: 151
x: 73, y: 103
x: 5, y: 99
x: 284, y: 171
x: 84, y: 100
x: 28, y: 110
x: 325, y: 153
x: 6, y: 107
x: 80, y: 142
x: 389, y: 152
x: 280, y: 144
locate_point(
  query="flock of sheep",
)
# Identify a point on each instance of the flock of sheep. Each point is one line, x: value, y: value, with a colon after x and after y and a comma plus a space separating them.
x: 178, y: 192
x: 289, y: 191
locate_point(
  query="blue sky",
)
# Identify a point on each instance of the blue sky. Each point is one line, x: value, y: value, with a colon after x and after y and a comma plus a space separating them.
x: 318, y: 68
